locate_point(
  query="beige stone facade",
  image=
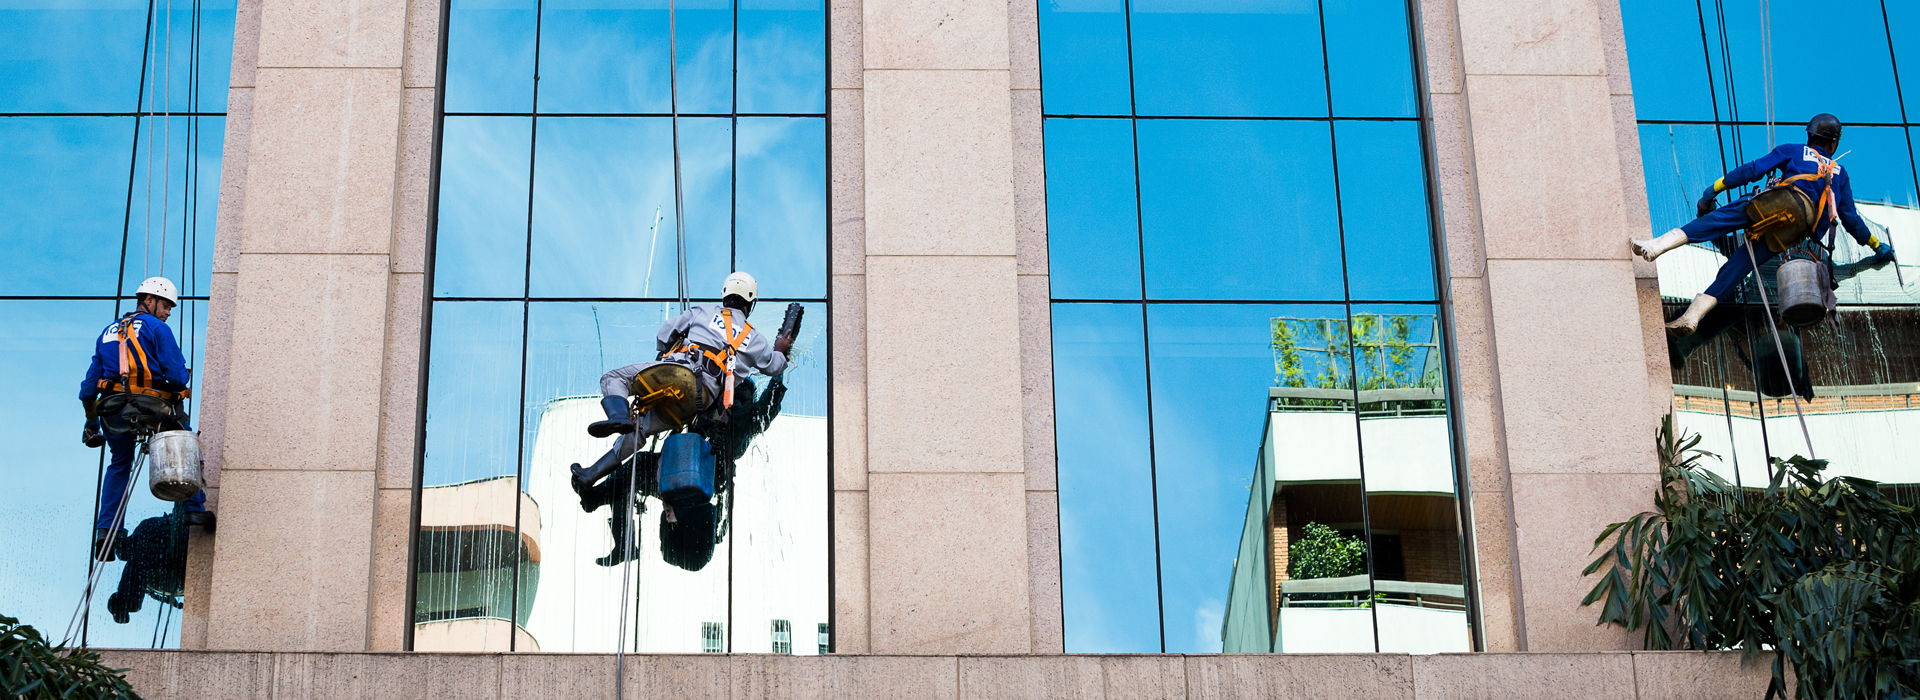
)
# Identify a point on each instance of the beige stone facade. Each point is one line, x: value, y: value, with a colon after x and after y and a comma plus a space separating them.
x: 946, y: 541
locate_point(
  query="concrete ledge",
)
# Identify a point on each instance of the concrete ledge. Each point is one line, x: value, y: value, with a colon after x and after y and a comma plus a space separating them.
x: 1634, y: 675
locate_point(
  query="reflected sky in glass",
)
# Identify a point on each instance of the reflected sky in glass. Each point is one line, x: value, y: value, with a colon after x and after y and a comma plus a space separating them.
x: 86, y: 57
x: 1085, y: 57
x: 600, y: 186
x: 1370, y: 58
x: 472, y: 388
x: 1852, y: 34
x: 780, y: 214
x: 480, y: 244
x: 1668, y: 60
x: 490, y: 56
x: 1235, y: 58
x: 1093, y: 235
x: 1227, y: 213
x: 782, y: 57
x: 67, y: 201
x: 1109, y: 579
x: 1383, y: 207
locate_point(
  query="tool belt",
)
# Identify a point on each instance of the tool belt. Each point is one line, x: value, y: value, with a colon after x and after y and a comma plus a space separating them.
x: 124, y: 413
x: 1781, y: 216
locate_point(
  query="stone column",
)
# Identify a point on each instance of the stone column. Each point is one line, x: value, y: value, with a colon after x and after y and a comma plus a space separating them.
x: 1556, y: 324
x: 941, y: 497
x: 315, y: 339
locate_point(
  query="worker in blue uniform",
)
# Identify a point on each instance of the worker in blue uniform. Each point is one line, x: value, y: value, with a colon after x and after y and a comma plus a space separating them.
x: 1808, y: 168
x: 136, y: 383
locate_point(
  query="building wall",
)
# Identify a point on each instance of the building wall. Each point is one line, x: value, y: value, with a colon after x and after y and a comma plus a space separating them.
x: 946, y: 535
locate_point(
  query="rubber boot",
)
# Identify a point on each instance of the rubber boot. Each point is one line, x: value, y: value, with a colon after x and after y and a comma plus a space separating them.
x: 620, y: 524
x: 619, y: 417
x: 1690, y: 321
x: 1653, y: 248
x: 585, y: 477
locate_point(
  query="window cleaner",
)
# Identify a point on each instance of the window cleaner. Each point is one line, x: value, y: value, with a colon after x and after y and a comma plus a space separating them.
x: 134, y: 388
x: 698, y: 382
x: 1811, y: 194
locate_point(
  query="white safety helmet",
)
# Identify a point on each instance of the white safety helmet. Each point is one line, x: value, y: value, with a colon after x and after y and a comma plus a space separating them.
x: 741, y: 284
x: 160, y: 287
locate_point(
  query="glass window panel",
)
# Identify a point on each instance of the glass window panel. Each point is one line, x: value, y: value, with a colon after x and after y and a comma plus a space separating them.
x: 195, y: 74
x: 1852, y: 34
x: 480, y: 247
x: 783, y: 57
x: 1229, y: 58
x: 780, y: 220
x: 66, y: 203
x: 490, y: 55
x: 468, y: 546
x: 1904, y: 19
x: 67, y: 58
x: 610, y: 57
x: 1093, y: 234
x: 1215, y: 370
x: 1370, y: 58
x: 1706, y: 403
x: 1109, y: 584
x: 603, y: 214
x: 1864, y: 365
x: 1225, y: 205
x: 778, y: 509
x: 1668, y: 60
x: 47, y: 567
x: 176, y: 192
x: 1413, y: 511
x: 1679, y: 161
x: 1083, y: 56
x: 1383, y: 205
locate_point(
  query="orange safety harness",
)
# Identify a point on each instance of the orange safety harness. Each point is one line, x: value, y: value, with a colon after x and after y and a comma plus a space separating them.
x: 136, y: 376
x: 722, y: 357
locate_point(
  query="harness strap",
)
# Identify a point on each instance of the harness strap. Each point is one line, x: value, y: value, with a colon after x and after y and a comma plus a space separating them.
x: 136, y: 372
x: 722, y: 357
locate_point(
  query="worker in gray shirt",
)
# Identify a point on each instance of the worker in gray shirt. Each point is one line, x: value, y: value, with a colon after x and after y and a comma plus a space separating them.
x: 703, y: 353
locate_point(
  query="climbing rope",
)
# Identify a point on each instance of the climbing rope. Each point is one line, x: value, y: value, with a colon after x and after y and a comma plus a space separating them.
x: 632, y: 571
x: 1773, y: 323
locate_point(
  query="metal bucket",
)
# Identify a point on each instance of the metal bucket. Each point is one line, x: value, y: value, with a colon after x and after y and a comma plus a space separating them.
x: 1802, y: 292
x: 174, y: 461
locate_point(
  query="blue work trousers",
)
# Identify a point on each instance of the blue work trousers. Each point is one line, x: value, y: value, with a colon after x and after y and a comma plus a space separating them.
x: 113, y: 485
x: 1731, y: 218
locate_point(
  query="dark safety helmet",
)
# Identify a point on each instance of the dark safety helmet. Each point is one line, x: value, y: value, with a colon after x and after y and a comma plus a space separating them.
x: 1824, y: 130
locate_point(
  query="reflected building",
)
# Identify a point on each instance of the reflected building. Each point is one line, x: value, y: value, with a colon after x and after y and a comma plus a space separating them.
x: 1371, y: 466
x: 772, y: 543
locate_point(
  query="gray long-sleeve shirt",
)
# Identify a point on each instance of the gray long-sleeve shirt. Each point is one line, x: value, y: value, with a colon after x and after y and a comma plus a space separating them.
x: 704, y: 324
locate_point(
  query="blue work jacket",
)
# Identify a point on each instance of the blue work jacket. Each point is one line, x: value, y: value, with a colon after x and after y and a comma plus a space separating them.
x: 157, y: 361
x: 1797, y: 159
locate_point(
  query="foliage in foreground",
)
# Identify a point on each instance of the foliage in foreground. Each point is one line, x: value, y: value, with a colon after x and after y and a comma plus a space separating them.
x: 32, y: 668
x: 1823, y: 574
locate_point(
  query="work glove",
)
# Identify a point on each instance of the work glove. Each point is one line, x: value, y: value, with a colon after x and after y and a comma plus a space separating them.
x: 1882, y: 254
x: 783, y: 345
x: 90, y: 435
x: 1706, y: 203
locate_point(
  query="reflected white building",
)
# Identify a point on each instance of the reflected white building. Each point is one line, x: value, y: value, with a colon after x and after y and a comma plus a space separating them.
x: 1311, y: 471
x: 769, y: 572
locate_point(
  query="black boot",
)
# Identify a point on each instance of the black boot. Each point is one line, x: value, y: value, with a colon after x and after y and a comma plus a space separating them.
x: 620, y: 524
x: 585, y: 477
x: 100, y: 550
x: 200, y: 518
x: 619, y: 417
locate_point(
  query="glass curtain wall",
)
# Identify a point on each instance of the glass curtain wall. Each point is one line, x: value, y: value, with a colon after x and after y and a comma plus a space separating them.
x: 1700, y: 78
x: 558, y: 254
x: 111, y: 119
x: 1254, y: 447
